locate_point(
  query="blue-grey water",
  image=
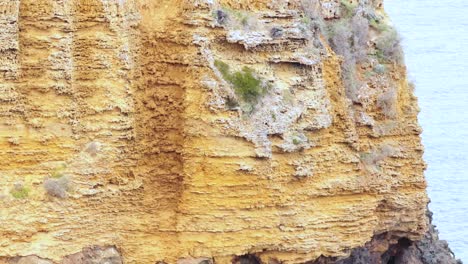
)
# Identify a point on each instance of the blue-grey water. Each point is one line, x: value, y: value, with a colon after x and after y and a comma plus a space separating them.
x: 435, y: 39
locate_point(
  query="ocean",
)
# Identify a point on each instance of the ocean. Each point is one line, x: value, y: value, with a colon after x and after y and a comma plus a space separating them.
x: 435, y: 40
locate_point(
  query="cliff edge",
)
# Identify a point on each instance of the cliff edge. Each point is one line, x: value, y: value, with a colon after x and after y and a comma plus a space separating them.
x: 203, y: 131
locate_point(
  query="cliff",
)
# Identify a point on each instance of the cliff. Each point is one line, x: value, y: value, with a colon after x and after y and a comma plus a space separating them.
x: 201, y: 131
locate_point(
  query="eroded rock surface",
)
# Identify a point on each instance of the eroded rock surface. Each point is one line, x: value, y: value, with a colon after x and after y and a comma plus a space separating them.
x: 388, y: 248
x: 183, y: 131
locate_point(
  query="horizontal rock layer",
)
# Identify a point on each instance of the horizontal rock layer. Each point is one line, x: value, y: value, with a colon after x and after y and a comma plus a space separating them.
x: 128, y: 124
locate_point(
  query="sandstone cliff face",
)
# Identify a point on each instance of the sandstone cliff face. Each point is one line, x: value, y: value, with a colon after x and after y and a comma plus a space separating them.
x: 194, y: 131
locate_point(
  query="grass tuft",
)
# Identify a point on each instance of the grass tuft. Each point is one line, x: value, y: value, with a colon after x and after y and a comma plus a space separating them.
x: 20, y: 192
x: 58, y: 172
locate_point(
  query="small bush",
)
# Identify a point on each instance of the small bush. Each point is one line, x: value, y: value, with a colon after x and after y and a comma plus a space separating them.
x: 350, y: 80
x: 14, y: 141
x: 387, y: 101
x: 276, y: 32
x: 340, y: 41
x: 340, y: 38
x: 223, y: 68
x: 57, y: 187
x: 237, y: 19
x: 349, y: 38
x: 348, y: 8
x: 231, y: 103
x: 360, y: 29
x: 311, y: 8
x: 388, y: 47
x: 19, y: 191
x: 245, y: 84
x: 378, y: 25
x: 380, y: 69
x: 312, y: 17
x: 221, y: 17
x: 296, y: 141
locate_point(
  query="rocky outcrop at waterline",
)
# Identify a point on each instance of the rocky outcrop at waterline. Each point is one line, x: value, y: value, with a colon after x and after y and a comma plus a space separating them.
x: 388, y: 248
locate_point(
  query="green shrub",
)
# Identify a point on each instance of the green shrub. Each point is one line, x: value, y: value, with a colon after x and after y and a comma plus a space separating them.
x: 222, y: 67
x: 273, y: 116
x: 20, y: 191
x: 378, y: 25
x: 296, y: 141
x: 348, y: 8
x: 245, y: 84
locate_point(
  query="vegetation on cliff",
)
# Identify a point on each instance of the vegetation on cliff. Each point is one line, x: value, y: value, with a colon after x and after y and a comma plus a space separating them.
x: 246, y: 85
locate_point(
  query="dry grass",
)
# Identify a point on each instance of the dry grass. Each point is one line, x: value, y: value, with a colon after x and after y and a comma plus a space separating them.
x: 237, y: 19
x: 360, y: 28
x: 389, y: 47
x: 57, y: 187
x: 372, y: 159
x: 312, y: 16
x: 349, y: 38
x: 311, y: 8
x: 387, y: 101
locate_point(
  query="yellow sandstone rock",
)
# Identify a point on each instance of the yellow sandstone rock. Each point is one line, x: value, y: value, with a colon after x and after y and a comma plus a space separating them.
x: 169, y: 160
